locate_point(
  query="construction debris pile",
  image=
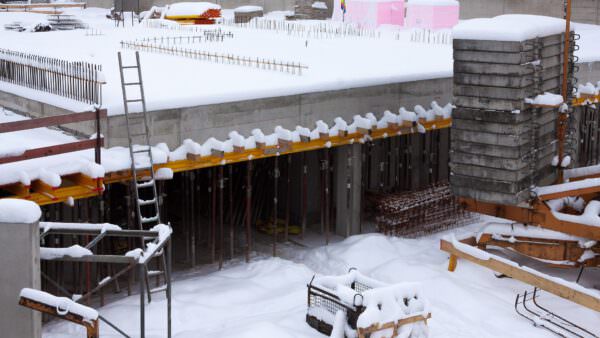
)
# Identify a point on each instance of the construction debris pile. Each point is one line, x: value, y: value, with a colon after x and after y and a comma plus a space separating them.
x: 416, y: 213
x: 504, y: 127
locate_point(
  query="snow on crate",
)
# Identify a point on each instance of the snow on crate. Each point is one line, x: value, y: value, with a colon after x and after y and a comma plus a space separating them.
x: 63, y: 305
x: 368, y: 306
x: 102, y: 227
x: 74, y: 251
x: 511, y: 27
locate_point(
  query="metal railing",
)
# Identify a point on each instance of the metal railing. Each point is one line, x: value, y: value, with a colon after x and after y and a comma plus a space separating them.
x: 80, y: 81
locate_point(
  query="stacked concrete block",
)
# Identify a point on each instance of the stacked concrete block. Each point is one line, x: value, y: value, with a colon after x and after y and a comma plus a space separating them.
x: 500, y: 145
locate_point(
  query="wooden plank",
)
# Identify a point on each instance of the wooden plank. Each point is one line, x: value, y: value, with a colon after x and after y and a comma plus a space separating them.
x: 92, y: 328
x: 52, y: 150
x: 540, y: 280
x: 50, y: 121
x: 17, y: 189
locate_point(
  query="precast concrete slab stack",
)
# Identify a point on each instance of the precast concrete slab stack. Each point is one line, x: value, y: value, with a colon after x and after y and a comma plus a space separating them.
x: 500, y: 145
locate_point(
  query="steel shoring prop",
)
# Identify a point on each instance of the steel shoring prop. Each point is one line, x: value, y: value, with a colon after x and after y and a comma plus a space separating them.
x: 304, y: 193
x: 348, y: 189
x: 326, y: 197
x: 213, y: 222
x: 231, y: 213
x: 221, y: 230
x: 287, y: 197
x: 275, y: 202
x: 248, y: 209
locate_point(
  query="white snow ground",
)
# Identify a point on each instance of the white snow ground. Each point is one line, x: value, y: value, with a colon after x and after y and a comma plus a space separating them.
x: 267, y: 298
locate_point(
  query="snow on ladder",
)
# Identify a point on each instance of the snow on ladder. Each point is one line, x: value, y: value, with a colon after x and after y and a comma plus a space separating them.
x: 140, y: 150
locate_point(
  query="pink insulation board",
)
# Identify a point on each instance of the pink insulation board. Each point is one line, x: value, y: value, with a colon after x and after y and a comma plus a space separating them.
x: 432, y: 14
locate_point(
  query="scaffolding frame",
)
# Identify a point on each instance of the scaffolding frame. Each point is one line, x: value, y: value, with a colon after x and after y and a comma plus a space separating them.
x: 163, y: 246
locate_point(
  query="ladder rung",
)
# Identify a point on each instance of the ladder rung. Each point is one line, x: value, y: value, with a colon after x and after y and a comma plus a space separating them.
x: 141, y: 151
x: 134, y: 100
x: 145, y: 184
x: 131, y: 83
x: 161, y: 288
x: 146, y: 202
x: 149, y: 219
x: 152, y: 273
x: 127, y: 67
x: 136, y: 135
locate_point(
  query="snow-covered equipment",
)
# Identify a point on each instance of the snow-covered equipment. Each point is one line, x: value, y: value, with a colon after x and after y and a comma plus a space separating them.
x: 354, y: 305
x: 196, y: 13
x: 65, y: 22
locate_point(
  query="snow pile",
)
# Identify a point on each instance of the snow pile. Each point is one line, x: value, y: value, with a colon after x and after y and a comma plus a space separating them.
x: 74, y: 251
x: 189, y: 8
x: 546, y: 99
x: 19, y: 211
x: 512, y: 27
x: 63, y: 305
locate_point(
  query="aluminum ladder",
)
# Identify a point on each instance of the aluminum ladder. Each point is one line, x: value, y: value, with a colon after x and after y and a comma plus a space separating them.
x: 142, y: 162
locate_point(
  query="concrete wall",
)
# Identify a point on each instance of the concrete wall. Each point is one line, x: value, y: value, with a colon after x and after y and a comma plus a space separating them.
x: 586, y: 11
x: 268, y: 5
x: 20, y: 264
x: 217, y: 120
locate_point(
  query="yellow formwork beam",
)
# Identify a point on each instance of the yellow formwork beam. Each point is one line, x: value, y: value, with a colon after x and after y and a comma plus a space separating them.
x: 77, y: 186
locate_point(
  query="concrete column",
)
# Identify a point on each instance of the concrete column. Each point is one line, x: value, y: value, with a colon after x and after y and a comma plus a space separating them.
x: 348, y: 192
x: 20, y: 264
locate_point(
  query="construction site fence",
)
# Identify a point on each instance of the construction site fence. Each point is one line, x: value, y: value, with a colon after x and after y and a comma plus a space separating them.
x: 428, y: 36
x: 288, y: 67
x: 80, y: 81
x: 313, y: 30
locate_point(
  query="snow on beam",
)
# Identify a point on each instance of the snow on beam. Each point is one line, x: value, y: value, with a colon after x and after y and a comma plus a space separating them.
x: 557, y: 286
x: 576, y: 188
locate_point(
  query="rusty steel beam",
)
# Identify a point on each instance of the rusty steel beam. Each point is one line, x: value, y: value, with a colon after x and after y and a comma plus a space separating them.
x: 41, y: 122
x: 51, y: 150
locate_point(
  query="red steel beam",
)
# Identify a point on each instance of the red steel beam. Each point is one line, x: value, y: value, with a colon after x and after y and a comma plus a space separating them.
x: 50, y: 121
x: 52, y: 150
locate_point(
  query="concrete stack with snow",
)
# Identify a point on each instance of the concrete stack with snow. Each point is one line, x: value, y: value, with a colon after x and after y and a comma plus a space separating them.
x: 504, y: 126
